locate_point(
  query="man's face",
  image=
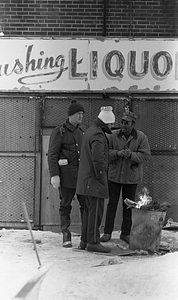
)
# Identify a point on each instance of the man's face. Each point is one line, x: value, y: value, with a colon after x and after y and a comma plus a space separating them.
x: 126, y: 126
x: 76, y: 118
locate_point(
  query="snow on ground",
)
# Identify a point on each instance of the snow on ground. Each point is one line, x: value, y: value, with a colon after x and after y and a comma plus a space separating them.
x: 83, y: 275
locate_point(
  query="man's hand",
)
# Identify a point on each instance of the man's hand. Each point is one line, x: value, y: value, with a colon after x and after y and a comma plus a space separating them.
x: 121, y: 153
x: 55, y: 181
x: 127, y: 153
x: 124, y: 153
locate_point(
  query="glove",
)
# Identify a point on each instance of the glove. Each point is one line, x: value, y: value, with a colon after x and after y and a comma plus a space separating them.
x: 55, y: 181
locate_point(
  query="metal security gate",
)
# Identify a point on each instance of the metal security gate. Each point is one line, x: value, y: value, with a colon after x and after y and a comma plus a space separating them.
x: 158, y: 119
x: 19, y: 152
x: 56, y: 107
x: 17, y: 185
x: 23, y: 120
x: 24, y: 176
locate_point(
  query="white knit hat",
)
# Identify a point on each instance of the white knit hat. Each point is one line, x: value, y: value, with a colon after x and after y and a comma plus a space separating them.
x: 106, y: 115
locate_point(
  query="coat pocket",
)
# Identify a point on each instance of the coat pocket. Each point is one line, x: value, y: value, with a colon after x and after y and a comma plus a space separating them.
x: 134, y: 173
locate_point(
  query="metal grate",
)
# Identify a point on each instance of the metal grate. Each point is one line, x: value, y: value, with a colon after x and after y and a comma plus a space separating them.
x: 19, y: 124
x: 17, y: 185
x: 159, y: 121
x: 56, y: 108
x: 160, y: 177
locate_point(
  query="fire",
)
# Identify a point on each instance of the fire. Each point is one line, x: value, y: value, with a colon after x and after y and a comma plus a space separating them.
x: 145, y: 202
x: 144, y: 198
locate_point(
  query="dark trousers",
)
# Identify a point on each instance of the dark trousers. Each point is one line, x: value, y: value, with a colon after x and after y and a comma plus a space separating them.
x: 92, y: 218
x: 128, y: 191
x: 66, y: 196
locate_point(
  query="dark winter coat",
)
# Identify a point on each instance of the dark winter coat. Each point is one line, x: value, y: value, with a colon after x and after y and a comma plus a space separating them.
x: 92, y: 175
x: 65, y: 143
x: 130, y: 170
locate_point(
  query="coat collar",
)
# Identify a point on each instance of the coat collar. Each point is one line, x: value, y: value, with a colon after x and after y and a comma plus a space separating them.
x: 133, y: 133
x: 103, y: 126
x: 70, y: 126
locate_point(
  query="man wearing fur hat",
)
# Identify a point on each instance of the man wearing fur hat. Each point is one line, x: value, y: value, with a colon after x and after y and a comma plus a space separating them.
x: 63, y: 160
x: 129, y: 148
x: 92, y: 179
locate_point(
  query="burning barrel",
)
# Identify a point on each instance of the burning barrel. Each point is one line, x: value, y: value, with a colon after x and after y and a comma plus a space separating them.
x: 146, y: 229
x: 148, y: 219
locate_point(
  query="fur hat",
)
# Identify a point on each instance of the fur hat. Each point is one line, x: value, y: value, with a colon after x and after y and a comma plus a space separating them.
x: 129, y: 116
x: 75, y: 108
x: 106, y: 115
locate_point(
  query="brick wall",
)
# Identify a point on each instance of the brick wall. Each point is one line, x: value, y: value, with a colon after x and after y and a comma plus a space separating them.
x: 151, y: 18
x: 124, y: 18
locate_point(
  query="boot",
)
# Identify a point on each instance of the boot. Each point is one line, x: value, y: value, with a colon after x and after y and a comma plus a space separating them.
x: 98, y: 248
x: 125, y: 238
x: 105, y: 238
x: 82, y: 245
x: 67, y: 239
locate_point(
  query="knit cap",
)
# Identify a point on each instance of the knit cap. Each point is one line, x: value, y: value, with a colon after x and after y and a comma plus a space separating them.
x: 75, y: 108
x: 106, y: 115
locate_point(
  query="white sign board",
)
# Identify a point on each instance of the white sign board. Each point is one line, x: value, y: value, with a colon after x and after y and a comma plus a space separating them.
x: 109, y: 65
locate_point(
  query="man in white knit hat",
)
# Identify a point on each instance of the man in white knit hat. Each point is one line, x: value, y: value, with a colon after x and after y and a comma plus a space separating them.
x: 92, y: 179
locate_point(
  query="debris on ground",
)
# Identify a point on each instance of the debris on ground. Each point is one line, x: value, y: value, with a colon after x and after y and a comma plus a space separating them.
x: 109, y: 261
x: 171, y: 225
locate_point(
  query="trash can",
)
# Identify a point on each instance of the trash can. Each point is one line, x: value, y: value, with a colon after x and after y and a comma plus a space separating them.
x: 146, y: 229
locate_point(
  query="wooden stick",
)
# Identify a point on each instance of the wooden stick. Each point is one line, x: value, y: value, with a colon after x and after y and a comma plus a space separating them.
x: 30, y: 229
x: 31, y: 289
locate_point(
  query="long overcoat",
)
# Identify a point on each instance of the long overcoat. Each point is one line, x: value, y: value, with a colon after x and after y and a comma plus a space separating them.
x: 92, y: 175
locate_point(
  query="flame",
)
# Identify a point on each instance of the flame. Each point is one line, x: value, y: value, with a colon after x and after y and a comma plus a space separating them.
x: 144, y: 198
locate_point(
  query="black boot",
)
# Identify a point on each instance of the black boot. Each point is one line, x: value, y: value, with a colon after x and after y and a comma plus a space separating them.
x: 65, y: 225
x: 67, y: 243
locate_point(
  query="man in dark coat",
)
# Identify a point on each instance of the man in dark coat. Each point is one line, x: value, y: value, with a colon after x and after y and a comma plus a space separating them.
x: 63, y: 160
x: 92, y: 179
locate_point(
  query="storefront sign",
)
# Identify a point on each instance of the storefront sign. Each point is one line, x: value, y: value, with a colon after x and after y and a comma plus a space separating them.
x: 110, y: 65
